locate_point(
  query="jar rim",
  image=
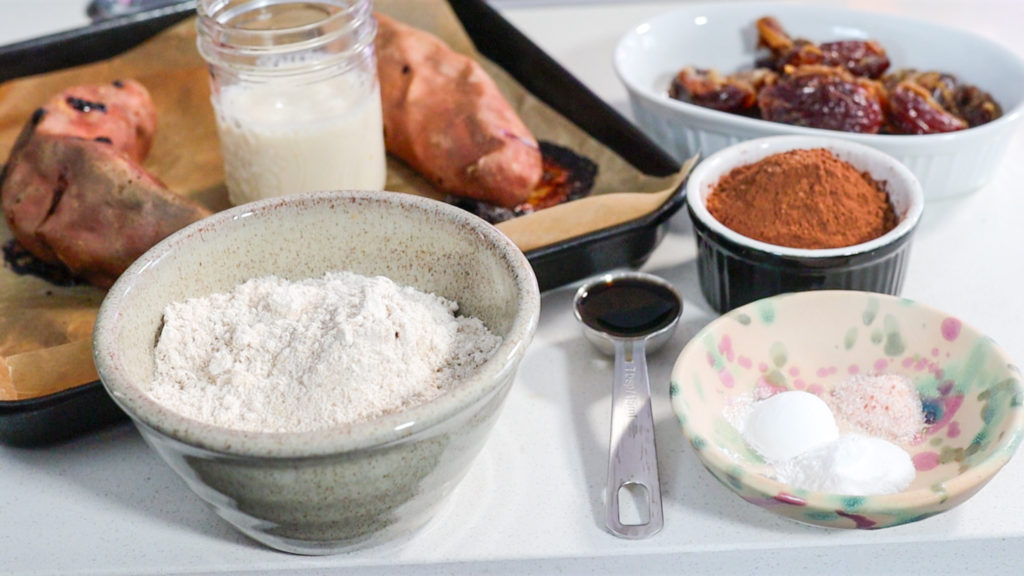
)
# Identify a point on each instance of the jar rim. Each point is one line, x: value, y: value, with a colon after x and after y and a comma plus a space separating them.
x: 347, y: 25
x: 220, y: 12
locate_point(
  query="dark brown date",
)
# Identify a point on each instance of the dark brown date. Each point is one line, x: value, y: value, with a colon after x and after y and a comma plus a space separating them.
x: 821, y: 97
x: 940, y: 86
x: 784, y: 51
x: 710, y: 89
x: 966, y: 101
x: 912, y: 110
x: 803, y: 53
x: 862, y: 58
x: 976, y: 106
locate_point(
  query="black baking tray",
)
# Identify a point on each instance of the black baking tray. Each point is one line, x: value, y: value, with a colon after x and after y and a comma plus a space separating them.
x: 70, y: 413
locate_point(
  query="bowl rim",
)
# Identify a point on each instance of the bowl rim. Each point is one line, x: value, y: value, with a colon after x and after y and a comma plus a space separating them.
x: 486, y: 381
x: 730, y: 157
x: 738, y: 122
x: 964, y: 483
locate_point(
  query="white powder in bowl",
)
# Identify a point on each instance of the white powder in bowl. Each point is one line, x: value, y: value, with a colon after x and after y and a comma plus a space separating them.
x: 280, y: 356
x: 852, y: 464
x: 797, y: 434
x: 789, y: 424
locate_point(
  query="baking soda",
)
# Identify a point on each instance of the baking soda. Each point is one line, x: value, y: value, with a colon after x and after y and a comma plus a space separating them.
x: 280, y: 356
x: 852, y: 464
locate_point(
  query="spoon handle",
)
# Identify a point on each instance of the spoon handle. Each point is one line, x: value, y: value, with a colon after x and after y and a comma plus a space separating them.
x: 632, y: 457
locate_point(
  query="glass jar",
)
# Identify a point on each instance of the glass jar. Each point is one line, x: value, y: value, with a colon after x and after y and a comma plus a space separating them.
x: 295, y: 91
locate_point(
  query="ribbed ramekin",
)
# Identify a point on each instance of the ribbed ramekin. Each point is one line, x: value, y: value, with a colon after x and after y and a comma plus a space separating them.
x: 735, y: 269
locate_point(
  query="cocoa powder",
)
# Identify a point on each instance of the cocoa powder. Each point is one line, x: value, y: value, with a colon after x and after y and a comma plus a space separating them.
x: 803, y: 199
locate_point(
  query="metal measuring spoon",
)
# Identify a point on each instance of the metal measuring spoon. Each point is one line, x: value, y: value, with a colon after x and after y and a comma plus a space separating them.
x: 625, y: 314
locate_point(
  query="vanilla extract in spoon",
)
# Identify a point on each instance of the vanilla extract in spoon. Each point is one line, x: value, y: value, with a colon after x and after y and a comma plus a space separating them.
x: 626, y: 314
x: 627, y: 307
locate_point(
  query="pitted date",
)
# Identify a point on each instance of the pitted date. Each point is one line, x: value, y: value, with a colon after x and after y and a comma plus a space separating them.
x: 912, y: 110
x: 736, y: 93
x: 976, y: 106
x: 964, y: 101
x: 941, y: 87
x: 860, y: 57
x: 865, y: 58
x: 821, y: 97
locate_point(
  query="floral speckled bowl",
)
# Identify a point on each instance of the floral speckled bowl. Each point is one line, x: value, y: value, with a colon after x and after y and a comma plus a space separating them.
x: 970, y: 391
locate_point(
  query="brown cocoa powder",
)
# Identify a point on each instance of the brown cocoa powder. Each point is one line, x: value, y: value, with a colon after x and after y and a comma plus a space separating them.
x: 803, y: 199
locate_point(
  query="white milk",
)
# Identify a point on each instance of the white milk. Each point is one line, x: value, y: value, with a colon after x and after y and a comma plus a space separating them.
x: 279, y: 140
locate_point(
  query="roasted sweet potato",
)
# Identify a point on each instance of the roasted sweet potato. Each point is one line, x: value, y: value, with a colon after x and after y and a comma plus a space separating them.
x: 445, y: 117
x: 120, y: 113
x: 86, y: 205
x: 74, y: 192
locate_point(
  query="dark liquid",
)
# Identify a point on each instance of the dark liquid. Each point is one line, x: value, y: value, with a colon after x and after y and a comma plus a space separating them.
x: 629, y: 307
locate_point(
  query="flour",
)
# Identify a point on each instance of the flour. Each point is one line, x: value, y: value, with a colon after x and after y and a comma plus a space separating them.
x: 276, y: 355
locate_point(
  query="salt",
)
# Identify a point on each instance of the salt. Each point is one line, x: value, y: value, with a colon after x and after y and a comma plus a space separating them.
x: 883, y: 405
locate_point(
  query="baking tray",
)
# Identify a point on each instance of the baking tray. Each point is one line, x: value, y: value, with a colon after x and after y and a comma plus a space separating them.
x: 63, y: 415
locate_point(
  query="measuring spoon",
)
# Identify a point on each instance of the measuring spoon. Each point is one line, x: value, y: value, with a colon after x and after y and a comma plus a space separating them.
x: 626, y: 314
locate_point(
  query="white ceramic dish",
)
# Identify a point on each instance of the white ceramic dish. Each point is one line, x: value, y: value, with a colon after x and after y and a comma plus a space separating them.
x: 723, y: 36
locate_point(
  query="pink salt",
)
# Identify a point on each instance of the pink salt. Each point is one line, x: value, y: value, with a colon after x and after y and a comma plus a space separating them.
x: 882, y: 405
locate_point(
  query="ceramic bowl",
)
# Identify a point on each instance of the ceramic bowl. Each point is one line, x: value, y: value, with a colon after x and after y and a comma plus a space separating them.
x: 722, y: 35
x: 971, y: 392
x: 347, y: 486
x: 735, y: 269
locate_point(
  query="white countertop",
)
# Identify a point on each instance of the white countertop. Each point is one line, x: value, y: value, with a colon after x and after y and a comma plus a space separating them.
x: 533, y: 500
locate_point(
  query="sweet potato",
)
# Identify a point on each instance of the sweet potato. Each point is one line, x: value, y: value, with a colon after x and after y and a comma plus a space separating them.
x: 86, y: 205
x: 120, y: 113
x: 445, y: 117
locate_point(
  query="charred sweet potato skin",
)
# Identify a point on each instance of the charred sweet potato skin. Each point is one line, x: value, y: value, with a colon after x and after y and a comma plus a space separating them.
x: 88, y: 206
x: 446, y: 118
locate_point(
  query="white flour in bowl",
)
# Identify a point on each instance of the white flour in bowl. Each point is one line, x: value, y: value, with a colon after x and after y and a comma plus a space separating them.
x: 276, y: 355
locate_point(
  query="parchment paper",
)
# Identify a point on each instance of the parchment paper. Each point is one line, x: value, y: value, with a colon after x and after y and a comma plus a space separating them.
x: 46, y: 330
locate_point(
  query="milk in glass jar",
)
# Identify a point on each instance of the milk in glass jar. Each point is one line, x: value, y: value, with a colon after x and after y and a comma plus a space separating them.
x: 295, y: 91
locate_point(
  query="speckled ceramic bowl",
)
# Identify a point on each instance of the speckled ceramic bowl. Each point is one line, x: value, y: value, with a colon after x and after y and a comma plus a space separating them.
x: 971, y: 393
x: 335, y: 489
x: 735, y: 269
